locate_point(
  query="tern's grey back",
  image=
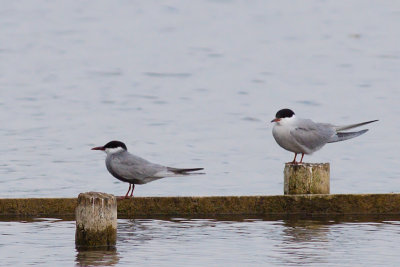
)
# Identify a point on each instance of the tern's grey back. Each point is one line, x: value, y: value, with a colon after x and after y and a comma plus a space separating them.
x: 133, y: 169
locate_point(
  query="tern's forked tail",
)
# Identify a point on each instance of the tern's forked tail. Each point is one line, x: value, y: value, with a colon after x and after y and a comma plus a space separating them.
x: 184, y: 171
x: 341, y: 136
x: 351, y: 126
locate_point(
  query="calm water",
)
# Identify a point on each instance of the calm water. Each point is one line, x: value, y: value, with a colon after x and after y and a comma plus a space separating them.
x: 209, y: 242
x: 195, y: 84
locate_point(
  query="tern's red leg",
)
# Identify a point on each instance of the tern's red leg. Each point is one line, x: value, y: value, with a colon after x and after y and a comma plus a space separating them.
x: 133, y: 188
x: 302, y: 155
x: 294, y: 160
x: 127, y: 193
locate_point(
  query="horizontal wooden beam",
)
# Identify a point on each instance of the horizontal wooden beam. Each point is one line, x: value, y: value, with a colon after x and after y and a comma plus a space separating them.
x: 216, y: 206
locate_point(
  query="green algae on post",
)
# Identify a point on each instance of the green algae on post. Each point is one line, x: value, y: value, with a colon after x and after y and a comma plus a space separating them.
x: 306, y: 178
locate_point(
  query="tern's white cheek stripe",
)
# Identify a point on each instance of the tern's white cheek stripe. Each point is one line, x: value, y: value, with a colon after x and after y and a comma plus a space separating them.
x: 113, y: 150
x: 287, y: 121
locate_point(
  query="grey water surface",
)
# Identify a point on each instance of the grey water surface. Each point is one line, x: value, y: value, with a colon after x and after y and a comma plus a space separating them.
x: 196, y: 84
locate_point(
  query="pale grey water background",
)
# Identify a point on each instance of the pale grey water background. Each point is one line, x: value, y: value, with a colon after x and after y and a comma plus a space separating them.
x: 195, y: 84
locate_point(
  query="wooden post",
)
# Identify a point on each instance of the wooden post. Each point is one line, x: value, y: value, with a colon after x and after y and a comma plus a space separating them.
x: 306, y: 178
x: 96, y: 220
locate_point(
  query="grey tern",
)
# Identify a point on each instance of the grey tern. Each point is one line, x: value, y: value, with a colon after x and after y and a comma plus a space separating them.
x: 132, y: 169
x: 305, y: 136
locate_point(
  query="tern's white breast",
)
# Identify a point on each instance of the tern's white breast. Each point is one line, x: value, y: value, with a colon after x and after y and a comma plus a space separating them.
x: 281, y: 133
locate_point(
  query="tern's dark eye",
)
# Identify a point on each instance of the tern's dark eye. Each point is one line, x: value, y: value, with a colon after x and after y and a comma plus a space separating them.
x: 284, y: 113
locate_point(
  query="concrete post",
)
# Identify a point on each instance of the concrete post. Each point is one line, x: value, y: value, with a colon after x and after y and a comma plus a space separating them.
x: 96, y: 220
x: 306, y: 178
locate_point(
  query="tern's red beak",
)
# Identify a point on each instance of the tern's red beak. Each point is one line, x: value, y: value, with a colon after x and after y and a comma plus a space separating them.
x: 276, y: 120
x: 98, y: 148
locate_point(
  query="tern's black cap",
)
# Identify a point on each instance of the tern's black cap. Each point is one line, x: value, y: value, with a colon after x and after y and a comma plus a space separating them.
x: 115, y: 144
x: 284, y: 113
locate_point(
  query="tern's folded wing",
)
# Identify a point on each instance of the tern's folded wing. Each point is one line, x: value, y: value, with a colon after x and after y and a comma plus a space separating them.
x: 312, y: 135
x: 131, y: 167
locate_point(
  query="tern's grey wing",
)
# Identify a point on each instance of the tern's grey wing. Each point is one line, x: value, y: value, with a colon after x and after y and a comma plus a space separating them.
x: 311, y: 135
x: 132, y: 168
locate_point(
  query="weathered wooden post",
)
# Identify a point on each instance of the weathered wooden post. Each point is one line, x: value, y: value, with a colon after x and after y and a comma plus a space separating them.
x: 306, y: 178
x: 96, y: 220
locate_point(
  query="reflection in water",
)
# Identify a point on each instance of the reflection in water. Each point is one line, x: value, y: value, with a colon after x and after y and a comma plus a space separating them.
x: 298, y: 231
x: 304, y: 241
x: 292, y: 240
x: 140, y: 231
x: 277, y: 240
x: 97, y: 257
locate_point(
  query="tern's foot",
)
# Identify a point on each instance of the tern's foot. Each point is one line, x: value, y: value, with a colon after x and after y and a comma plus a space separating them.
x: 294, y: 163
x: 124, y: 197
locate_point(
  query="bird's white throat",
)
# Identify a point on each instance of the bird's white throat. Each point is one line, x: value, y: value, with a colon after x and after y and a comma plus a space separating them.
x: 287, y: 121
x: 113, y: 150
